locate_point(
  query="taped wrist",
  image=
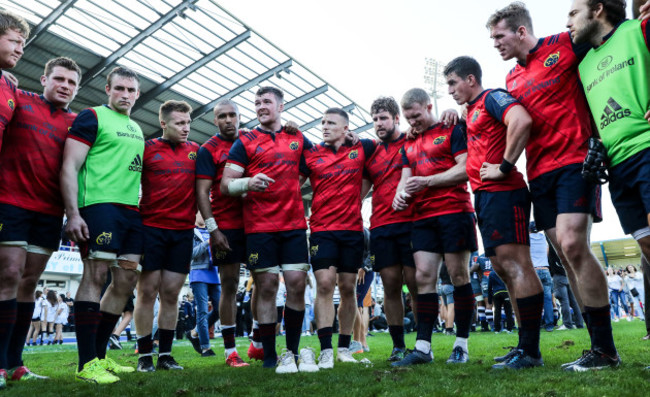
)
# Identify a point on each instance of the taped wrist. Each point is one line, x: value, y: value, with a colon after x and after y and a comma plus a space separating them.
x: 211, y: 225
x: 238, y: 186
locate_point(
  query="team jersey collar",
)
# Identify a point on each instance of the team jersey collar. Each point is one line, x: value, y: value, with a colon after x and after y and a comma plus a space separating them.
x: 170, y: 143
x: 611, y: 33
x: 472, y: 102
x: 52, y: 107
x: 345, y: 144
x: 221, y: 137
x: 531, y: 53
x: 400, y: 137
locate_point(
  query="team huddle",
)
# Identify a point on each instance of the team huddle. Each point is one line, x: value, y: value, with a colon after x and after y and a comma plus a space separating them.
x: 578, y: 102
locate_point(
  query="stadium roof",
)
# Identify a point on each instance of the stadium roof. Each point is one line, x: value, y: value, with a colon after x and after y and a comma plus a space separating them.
x: 192, y: 50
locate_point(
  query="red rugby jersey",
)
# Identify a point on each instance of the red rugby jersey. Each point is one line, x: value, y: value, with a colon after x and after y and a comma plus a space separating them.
x: 7, y: 102
x: 384, y: 168
x: 213, y: 155
x: 32, y: 154
x: 486, y: 140
x: 432, y: 152
x: 168, y: 184
x: 550, y: 90
x: 277, y: 155
x: 336, y: 177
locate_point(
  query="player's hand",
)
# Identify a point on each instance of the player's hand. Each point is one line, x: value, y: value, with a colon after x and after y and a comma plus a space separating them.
x: 410, y: 133
x: 415, y: 184
x: 647, y: 116
x: 77, y: 229
x: 449, y: 117
x: 352, y: 138
x: 259, y: 183
x: 219, y: 241
x: 644, y: 12
x: 361, y: 276
x: 291, y: 128
x: 594, y: 168
x: 491, y: 172
x: 400, y: 201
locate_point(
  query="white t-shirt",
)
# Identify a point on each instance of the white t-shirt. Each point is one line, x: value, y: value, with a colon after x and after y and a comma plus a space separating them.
x: 62, y: 318
x: 538, y: 250
x: 38, y: 307
x: 281, y: 297
x: 51, y: 311
x: 635, y: 282
x: 615, y: 282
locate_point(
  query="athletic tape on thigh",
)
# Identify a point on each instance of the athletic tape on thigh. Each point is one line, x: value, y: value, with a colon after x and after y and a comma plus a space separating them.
x: 641, y: 233
x: 272, y: 269
x: 126, y: 264
x: 19, y: 244
x: 302, y: 267
x: 35, y: 249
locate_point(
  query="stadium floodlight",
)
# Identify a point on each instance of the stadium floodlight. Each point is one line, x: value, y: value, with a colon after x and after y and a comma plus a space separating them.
x: 434, y: 81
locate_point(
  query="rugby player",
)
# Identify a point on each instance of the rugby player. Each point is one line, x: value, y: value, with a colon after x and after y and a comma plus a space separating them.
x: 264, y: 164
x: 335, y: 170
x: 497, y: 132
x: 545, y: 81
x: 614, y: 76
x: 225, y: 222
x: 390, y: 230
x: 168, y: 208
x: 434, y: 178
x: 31, y: 207
x: 100, y: 182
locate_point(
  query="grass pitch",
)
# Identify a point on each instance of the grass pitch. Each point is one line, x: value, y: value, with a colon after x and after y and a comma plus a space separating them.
x: 210, y: 376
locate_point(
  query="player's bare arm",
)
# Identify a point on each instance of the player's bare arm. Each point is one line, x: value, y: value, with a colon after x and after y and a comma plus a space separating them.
x: 453, y: 176
x: 74, y: 156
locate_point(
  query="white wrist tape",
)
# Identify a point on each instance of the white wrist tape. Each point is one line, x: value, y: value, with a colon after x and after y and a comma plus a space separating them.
x: 239, y: 186
x: 211, y: 225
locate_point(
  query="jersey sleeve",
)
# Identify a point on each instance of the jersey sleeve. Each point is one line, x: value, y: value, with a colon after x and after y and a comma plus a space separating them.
x: 405, y: 159
x: 459, y: 139
x: 645, y: 28
x: 238, y: 154
x: 307, y: 144
x: 205, y: 167
x: 84, y: 127
x: 368, y: 147
x: 498, y: 102
x: 304, y: 168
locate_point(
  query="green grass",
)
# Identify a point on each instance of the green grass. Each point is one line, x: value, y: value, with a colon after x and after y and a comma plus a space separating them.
x: 210, y: 376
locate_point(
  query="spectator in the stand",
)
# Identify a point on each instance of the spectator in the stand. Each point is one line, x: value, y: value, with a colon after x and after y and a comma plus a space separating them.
x: 447, y: 289
x: 51, y: 302
x: 564, y: 294
x: 616, y: 294
x: 499, y: 298
x: 377, y: 320
x: 539, y: 256
x: 61, y: 319
x: 280, y: 300
x: 35, y: 327
x: 409, y: 316
x: 70, y: 302
x: 365, y: 277
x: 309, y: 305
x: 634, y: 280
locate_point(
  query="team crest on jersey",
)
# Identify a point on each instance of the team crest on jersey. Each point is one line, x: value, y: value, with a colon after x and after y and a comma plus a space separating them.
x: 313, y: 250
x: 477, y: 112
x: 552, y: 59
x: 104, y: 238
x: 191, y: 155
x: 353, y: 154
x: 220, y: 254
x: 439, y: 140
x: 1, y: 225
x: 253, y: 258
x: 294, y: 145
x: 11, y: 104
x: 372, y: 260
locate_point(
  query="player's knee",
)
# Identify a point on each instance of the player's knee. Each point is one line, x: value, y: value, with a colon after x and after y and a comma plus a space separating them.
x: 229, y: 286
x: 11, y: 275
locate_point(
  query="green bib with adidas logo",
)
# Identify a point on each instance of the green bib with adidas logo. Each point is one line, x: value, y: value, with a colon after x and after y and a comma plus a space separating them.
x: 112, y: 171
x: 616, y: 82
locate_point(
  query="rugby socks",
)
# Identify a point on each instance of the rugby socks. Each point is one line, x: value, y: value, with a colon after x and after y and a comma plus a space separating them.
x: 344, y: 341
x: 104, y: 331
x: 427, y: 308
x: 463, y: 309
x: 601, y: 329
x: 166, y: 340
x: 489, y: 315
x: 228, y: 333
x: 587, y: 320
x: 87, y: 317
x: 397, y: 335
x: 19, y: 334
x: 145, y: 345
x: 267, y: 337
x: 293, y: 327
x: 325, y: 338
x: 257, y: 340
x: 7, y: 320
x: 530, y: 312
x: 481, y: 314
